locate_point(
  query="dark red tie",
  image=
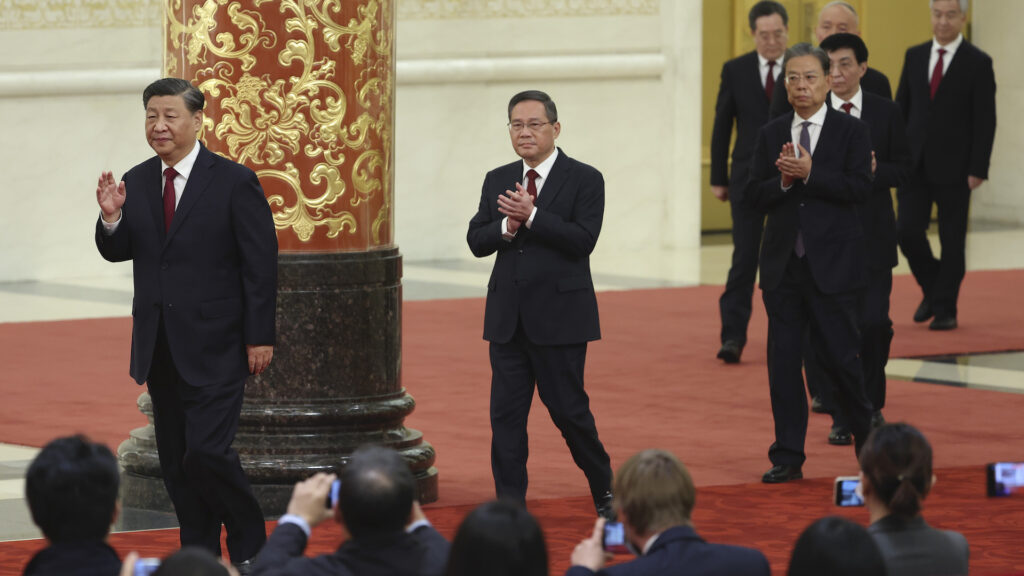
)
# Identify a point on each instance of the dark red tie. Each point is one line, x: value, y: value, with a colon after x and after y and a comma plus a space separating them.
x: 169, y: 175
x: 937, y: 73
x: 847, y: 106
x: 531, y: 186
x: 769, y: 81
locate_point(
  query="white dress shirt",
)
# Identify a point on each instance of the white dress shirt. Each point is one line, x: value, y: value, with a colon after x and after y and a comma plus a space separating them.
x: 946, y: 58
x: 763, y: 68
x: 857, y: 101
x: 542, y: 169
x: 183, y: 168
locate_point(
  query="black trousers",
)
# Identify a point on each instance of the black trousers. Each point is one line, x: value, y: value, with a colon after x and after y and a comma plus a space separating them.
x: 735, y: 304
x: 939, y: 279
x: 793, y: 307
x: 557, y: 373
x: 195, y: 426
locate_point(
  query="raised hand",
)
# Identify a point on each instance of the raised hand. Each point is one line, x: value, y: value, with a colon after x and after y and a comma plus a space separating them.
x: 110, y: 196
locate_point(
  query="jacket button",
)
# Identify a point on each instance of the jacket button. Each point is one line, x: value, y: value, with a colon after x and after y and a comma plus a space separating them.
x: 520, y: 251
x: 164, y: 266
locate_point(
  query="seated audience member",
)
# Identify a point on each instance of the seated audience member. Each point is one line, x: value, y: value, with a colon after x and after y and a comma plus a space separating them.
x: 71, y: 487
x: 837, y: 547
x: 896, y: 476
x: 498, y: 539
x: 654, y: 497
x: 387, y: 532
x: 189, y: 561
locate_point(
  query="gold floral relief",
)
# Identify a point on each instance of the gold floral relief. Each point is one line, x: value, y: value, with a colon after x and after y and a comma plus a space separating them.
x: 302, y: 91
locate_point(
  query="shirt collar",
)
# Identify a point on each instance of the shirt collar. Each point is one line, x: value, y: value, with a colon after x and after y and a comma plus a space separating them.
x: 544, y: 168
x: 818, y: 118
x: 951, y: 47
x: 184, y: 166
x: 763, y: 62
x: 857, y: 100
x: 650, y: 542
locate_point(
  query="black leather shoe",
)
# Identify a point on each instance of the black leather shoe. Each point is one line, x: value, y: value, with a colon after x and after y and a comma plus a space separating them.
x: 782, y: 473
x: 245, y: 568
x: 943, y: 323
x: 603, y: 505
x: 839, y: 436
x: 816, y: 406
x: 877, y: 419
x: 730, y: 351
x: 924, y: 311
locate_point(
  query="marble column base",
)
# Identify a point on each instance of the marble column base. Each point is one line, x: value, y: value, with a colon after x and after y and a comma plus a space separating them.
x: 334, y: 384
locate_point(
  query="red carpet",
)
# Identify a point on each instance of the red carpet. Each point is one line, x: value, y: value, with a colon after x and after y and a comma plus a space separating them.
x: 653, y: 381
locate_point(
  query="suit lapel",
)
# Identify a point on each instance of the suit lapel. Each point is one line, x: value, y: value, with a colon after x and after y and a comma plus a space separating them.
x: 155, y: 196
x: 198, y: 180
x: 556, y: 178
x: 956, y: 63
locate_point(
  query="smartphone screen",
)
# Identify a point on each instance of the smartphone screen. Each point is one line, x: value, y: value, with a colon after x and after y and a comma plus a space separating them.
x: 615, y: 538
x: 145, y: 566
x: 845, y: 492
x: 1005, y: 478
x: 332, y: 494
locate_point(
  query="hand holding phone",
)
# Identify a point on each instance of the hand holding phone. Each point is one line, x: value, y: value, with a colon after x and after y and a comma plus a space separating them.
x: 615, y: 538
x: 145, y: 566
x: 845, y: 491
x: 332, y: 494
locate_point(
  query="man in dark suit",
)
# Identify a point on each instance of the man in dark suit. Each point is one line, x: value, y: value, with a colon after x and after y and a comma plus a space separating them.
x: 654, y: 496
x: 948, y: 95
x: 835, y: 17
x: 375, y: 504
x: 743, y: 96
x: 891, y: 168
x: 811, y: 171
x: 542, y: 216
x: 201, y: 237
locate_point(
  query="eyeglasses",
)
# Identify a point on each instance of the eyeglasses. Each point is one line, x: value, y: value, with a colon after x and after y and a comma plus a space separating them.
x: 810, y: 79
x: 531, y: 126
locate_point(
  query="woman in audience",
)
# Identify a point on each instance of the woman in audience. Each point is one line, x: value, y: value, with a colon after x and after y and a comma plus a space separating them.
x: 498, y: 539
x: 896, y: 476
x: 837, y: 547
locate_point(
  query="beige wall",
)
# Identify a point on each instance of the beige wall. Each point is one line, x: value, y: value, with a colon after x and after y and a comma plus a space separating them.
x: 625, y: 75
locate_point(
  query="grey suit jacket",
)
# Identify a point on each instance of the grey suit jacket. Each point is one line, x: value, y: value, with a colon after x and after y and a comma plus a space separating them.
x: 913, y: 548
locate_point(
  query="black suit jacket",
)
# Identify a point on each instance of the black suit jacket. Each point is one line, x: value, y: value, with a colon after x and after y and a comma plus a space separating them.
x: 889, y: 143
x: 741, y: 98
x: 542, y: 277
x: 825, y: 209
x: 873, y: 82
x: 212, y: 276
x: 89, y: 558
x: 679, y: 550
x: 951, y: 136
x: 421, y: 553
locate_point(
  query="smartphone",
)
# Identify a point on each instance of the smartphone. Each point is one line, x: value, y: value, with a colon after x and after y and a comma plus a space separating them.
x: 1005, y: 478
x: 614, y: 540
x: 332, y: 494
x: 145, y: 566
x: 845, y: 491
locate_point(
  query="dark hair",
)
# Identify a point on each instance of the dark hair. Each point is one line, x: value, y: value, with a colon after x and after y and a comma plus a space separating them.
x: 377, y: 491
x: 805, y: 49
x: 838, y: 547
x: 191, y: 561
x: 71, y: 487
x: 498, y: 539
x: 846, y: 40
x: 767, y: 8
x: 194, y: 99
x: 897, y: 460
x: 549, y: 105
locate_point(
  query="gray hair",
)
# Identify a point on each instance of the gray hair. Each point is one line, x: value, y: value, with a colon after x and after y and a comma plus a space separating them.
x: 846, y: 5
x: 963, y: 5
x: 806, y: 49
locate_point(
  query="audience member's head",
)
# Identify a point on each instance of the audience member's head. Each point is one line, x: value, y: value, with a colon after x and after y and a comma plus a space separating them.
x: 653, y: 492
x: 837, y: 547
x: 377, y: 492
x: 192, y: 561
x: 896, y: 469
x: 71, y: 487
x: 498, y: 539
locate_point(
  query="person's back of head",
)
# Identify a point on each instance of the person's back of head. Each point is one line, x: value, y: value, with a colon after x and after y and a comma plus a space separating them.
x: 71, y: 487
x: 837, y: 547
x: 191, y: 561
x: 654, y: 491
x: 377, y: 492
x: 498, y: 539
x: 896, y: 462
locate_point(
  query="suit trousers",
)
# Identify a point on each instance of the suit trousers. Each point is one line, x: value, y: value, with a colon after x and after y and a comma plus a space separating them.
x: 939, y: 279
x: 793, y: 306
x: 195, y: 426
x: 735, y: 304
x: 557, y: 371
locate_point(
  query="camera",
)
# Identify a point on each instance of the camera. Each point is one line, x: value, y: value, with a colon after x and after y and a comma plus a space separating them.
x: 614, y: 539
x: 145, y: 566
x: 844, y: 492
x: 332, y: 494
x: 1005, y: 478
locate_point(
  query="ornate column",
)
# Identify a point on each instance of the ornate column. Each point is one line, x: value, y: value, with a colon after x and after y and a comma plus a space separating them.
x: 302, y: 92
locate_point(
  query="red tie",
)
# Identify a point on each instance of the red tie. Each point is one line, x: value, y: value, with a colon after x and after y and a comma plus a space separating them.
x: 847, y: 106
x: 170, y: 173
x: 531, y: 186
x: 937, y: 73
x: 769, y: 81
